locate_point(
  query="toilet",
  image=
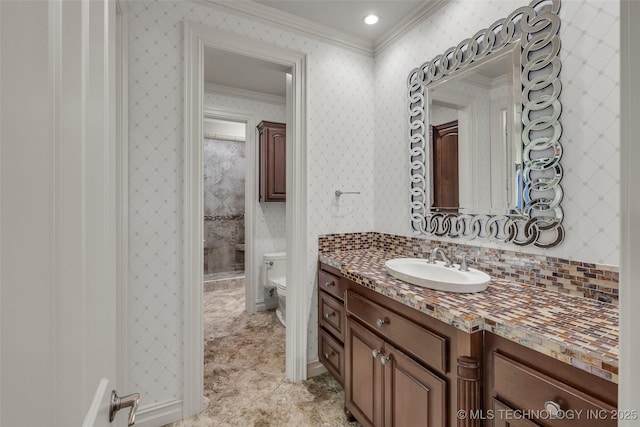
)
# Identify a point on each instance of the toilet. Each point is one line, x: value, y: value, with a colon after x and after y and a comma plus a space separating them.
x: 275, y: 276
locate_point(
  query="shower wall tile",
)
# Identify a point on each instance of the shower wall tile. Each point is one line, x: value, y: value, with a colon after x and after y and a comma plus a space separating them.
x: 590, y: 36
x: 224, y: 178
x: 224, y: 171
x: 339, y: 134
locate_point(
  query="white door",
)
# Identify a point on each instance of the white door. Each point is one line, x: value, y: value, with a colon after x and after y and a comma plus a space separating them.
x: 57, y: 213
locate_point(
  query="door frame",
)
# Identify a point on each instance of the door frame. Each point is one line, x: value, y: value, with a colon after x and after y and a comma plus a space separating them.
x: 196, y: 36
x: 250, y: 198
x: 629, y: 209
x: 122, y: 191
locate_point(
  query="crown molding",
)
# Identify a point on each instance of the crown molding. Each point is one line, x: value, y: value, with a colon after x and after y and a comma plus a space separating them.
x: 297, y: 24
x: 418, y: 15
x: 290, y: 22
x: 244, y: 94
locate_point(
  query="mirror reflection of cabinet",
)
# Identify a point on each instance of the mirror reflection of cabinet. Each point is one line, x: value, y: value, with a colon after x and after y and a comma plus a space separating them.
x: 445, y: 165
x: 273, y: 173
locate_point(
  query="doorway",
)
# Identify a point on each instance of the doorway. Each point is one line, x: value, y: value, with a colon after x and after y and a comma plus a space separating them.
x: 197, y: 37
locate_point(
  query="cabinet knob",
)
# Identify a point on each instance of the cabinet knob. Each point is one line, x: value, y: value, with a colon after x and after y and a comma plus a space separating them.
x: 329, y: 355
x: 329, y: 284
x: 328, y: 315
x: 385, y: 359
x: 553, y: 408
x: 382, y: 322
x: 375, y: 353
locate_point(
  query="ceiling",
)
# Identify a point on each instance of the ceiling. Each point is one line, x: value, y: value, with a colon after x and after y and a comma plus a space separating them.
x: 243, y: 72
x: 328, y: 19
x: 346, y: 16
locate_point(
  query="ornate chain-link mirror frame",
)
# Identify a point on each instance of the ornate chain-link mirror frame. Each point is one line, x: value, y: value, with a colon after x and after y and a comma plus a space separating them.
x: 533, y: 30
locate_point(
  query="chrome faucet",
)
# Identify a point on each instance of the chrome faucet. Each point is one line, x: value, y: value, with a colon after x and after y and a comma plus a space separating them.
x: 463, y: 262
x: 446, y: 257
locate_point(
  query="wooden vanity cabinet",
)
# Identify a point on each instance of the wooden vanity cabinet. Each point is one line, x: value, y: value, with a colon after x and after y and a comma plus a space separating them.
x: 272, y: 141
x: 385, y: 387
x: 402, y: 367
x: 331, y: 321
x: 523, y: 387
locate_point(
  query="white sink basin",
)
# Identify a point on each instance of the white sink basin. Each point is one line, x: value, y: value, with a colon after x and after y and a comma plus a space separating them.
x: 436, y: 276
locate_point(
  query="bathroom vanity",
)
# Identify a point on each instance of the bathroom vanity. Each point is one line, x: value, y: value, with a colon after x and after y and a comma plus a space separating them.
x: 409, y: 356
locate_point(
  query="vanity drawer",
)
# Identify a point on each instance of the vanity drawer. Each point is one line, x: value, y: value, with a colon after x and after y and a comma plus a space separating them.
x: 331, y: 355
x: 504, y: 416
x: 411, y: 337
x: 332, y: 315
x: 331, y: 284
x: 530, y: 390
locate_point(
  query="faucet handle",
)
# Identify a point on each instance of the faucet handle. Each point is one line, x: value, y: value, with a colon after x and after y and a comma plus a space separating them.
x: 463, y: 262
x: 429, y: 254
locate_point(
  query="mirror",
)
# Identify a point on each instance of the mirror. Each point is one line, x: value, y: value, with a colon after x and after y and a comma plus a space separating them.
x: 472, y: 151
x: 484, y: 134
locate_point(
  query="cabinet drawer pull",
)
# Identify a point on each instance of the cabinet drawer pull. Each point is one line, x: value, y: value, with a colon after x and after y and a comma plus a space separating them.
x: 553, y: 408
x: 329, y: 355
x: 375, y: 353
x: 329, y: 284
x: 328, y: 315
x: 382, y: 322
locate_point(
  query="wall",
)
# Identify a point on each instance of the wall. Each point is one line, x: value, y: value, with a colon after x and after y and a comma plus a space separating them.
x: 224, y: 172
x: 270, y: 221
x: 590, y: 97
x: 339, y: 134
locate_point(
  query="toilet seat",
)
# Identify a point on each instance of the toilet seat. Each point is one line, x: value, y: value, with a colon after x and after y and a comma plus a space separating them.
x: 281, y: 284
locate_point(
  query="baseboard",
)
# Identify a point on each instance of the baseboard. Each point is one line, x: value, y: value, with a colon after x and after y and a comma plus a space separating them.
x: 159, y: 414
x: 315, y: 368
x: 265, y: 305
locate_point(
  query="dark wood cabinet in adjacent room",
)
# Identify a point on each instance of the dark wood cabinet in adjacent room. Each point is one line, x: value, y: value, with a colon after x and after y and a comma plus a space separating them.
x: 272, y: 142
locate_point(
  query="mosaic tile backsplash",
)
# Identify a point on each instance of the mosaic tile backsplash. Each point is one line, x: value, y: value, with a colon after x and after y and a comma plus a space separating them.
x: 595, y: 281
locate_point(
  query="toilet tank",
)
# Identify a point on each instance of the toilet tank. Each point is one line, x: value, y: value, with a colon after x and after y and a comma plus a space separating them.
x: 275, y: 267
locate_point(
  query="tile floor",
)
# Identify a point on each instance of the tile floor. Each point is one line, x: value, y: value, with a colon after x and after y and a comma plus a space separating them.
x: 244, y: 379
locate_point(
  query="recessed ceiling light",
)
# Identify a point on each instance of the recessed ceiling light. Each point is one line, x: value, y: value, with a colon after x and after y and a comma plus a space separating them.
x: 371, y: 19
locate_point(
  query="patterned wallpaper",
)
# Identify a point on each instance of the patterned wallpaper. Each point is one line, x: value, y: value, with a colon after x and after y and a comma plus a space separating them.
x: 339, y: 133
x: 590, y: 96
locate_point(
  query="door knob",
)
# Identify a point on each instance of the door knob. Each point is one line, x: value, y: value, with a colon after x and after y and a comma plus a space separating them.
x: 118, y: 403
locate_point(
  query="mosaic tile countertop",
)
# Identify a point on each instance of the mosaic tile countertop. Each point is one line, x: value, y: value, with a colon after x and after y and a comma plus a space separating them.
x: 578, y: 331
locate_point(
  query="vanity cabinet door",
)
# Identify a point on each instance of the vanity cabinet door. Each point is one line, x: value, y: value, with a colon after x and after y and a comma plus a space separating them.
x: 413, y: 395
x: 363, y: 375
